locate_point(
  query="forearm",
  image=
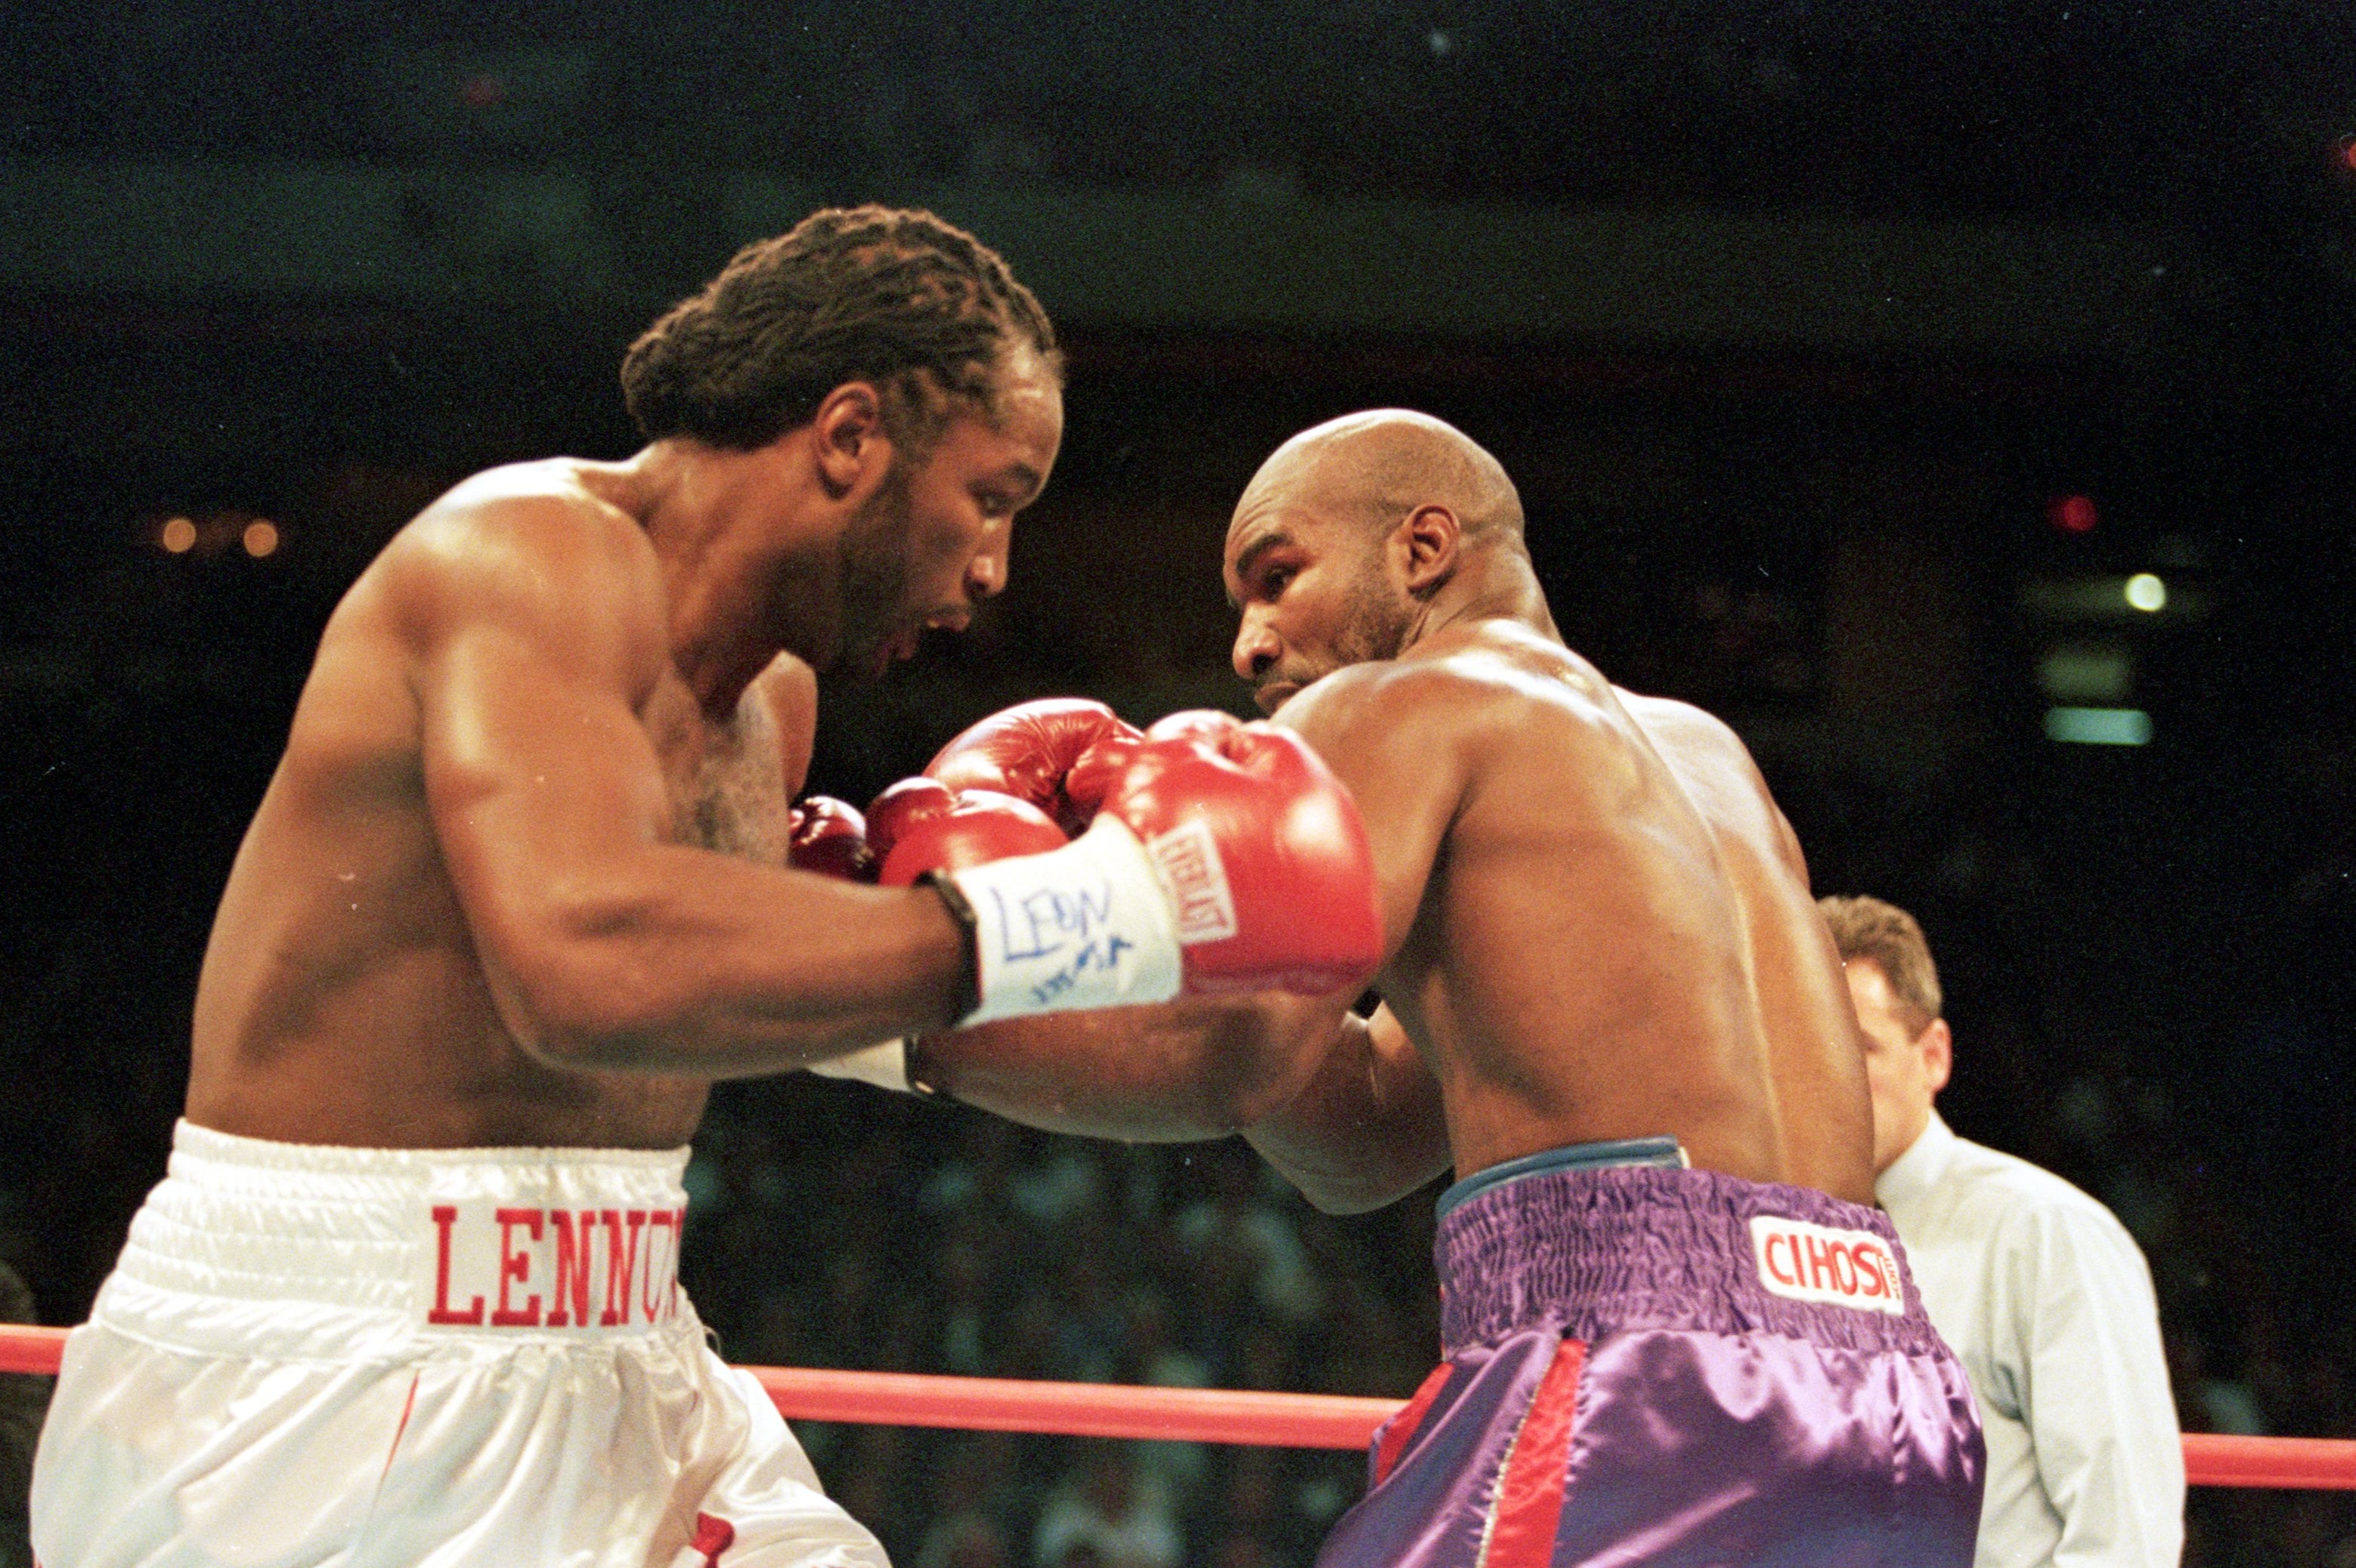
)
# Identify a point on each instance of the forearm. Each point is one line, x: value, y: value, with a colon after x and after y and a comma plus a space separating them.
x: 1174, y: 1073
x: 1365, y: 1131
x: 682, y: 962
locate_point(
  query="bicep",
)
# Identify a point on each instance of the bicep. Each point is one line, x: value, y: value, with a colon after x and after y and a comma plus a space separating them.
x: 536, y: 765
x: 1368, y: 1126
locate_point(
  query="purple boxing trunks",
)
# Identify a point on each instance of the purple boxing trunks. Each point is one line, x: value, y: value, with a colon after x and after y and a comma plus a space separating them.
x: 1647, y: 1364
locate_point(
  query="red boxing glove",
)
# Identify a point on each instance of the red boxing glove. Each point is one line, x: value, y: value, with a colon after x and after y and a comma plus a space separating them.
x: 977, y: 826
x: 900, y: 807
x: 830, y: 836
x: 1227, y: 858
x: 1060, y: 753
x: 1262, y: 852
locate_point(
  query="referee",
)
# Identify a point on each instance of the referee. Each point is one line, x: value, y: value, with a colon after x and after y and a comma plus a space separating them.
x: 2038, y: 1288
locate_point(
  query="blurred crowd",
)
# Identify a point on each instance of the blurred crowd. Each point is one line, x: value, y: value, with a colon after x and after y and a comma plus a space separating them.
x: 915, y: 1238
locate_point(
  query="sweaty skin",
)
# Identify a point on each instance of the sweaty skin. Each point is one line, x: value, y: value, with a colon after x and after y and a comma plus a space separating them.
x: 1599, y: 924
x: 518, y: 880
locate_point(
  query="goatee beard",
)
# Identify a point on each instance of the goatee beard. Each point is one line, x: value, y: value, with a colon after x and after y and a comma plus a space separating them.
x: 875, y: 569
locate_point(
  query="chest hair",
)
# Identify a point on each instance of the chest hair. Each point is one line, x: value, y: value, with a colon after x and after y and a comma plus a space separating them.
x: 733, y: 797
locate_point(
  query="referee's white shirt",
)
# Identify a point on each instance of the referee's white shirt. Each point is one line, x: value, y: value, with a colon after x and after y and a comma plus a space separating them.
x: 2048, y: 1303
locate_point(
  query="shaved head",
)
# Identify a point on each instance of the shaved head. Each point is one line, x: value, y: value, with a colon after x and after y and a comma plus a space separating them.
x: 1374, y: 467
x: 1350, y: 535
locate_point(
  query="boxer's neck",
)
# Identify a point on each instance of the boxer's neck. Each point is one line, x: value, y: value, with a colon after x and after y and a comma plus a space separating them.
x: 1491, y: 583
x: 748, y: 543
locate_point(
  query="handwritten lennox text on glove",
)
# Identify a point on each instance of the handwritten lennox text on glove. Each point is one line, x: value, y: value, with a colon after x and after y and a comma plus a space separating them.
x: 1067, y: 926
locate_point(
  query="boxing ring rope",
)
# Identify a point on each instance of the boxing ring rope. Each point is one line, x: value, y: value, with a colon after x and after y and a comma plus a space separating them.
x: 1275, y: 1420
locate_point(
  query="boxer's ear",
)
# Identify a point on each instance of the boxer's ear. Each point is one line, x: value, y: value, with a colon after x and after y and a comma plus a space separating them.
x: 847, y: 433
x: 1426, y: 543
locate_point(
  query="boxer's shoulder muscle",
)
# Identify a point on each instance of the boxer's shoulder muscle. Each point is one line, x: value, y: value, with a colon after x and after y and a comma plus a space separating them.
x: 1393, y: 731
x: 1409, y: 707
x: 523, y: 552
x: 1414, y: 739
x: 1716, y: 770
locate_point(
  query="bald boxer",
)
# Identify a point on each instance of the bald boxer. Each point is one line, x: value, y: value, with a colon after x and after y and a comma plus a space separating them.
x: 1677, y: 1330
x: 517, y: 894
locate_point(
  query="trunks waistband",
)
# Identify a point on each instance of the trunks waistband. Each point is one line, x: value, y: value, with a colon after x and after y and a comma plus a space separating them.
x: 247, y: 1236
x: 1587, y: 1251
x: 1663, y: 1151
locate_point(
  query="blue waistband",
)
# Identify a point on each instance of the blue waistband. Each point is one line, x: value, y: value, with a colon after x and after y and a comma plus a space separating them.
x: 1655, y: 1151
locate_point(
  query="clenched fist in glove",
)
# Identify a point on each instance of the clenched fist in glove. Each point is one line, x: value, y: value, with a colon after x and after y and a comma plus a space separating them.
x: 830, y: 836
x: 1225, y: 858
x: 1060, y: 753
x: 920, y: 825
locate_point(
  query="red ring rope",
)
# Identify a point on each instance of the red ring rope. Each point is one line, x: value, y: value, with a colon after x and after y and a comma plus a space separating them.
x: 1279, y: 1420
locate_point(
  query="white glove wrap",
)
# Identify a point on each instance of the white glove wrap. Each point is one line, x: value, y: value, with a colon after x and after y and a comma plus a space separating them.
x: 884, y: 1065
x: 1088, y: 926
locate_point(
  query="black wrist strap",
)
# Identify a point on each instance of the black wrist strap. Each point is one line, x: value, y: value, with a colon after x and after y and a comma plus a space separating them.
x: 968, y: 997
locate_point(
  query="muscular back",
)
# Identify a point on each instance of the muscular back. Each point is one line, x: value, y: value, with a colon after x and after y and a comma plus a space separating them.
x: 344, y: 998
x: 1609, y: 931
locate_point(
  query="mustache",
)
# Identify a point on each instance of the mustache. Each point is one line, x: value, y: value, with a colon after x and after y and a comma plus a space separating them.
x: 1277, y: 675
x: 1266, y: 685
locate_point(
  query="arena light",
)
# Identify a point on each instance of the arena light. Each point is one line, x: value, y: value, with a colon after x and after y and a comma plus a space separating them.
x: 179, y: 535
x: 2143, y: 597
x: 2073, y: 514
x: 261, y: 538
x: 2079, y: 673
x: 2098, y: 726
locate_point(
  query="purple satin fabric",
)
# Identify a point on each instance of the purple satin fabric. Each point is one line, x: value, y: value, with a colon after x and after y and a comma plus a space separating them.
x: 1716, y: 1423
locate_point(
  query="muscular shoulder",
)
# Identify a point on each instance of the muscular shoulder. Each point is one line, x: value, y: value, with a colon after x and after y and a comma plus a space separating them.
x: 1471, y: 690
x: 526, y: 549
x: 1682, y: 725
x: 1703, y: 748
x: 1716, y: 770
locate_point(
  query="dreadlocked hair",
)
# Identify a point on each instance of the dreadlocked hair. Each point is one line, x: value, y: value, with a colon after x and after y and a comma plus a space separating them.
x: 917, y: 307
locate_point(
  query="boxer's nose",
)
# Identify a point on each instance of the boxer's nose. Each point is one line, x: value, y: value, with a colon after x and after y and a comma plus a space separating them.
x: 1256, y: 646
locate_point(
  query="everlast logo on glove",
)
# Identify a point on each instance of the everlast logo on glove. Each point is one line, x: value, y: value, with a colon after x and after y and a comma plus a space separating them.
x: 1197, y: 883
x: 499, y: 1266
x: 1814, y: 1263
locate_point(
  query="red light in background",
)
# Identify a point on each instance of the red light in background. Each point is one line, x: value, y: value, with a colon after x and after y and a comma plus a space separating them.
x: 2348, y: 153
x: 2073, y: 514
x: 483, y: 92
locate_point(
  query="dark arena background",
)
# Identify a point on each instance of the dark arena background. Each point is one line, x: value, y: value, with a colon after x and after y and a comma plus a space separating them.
x: 1957, y: 399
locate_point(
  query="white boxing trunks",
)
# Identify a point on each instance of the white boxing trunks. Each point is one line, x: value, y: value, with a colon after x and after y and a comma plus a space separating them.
x: 415, y: 1359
